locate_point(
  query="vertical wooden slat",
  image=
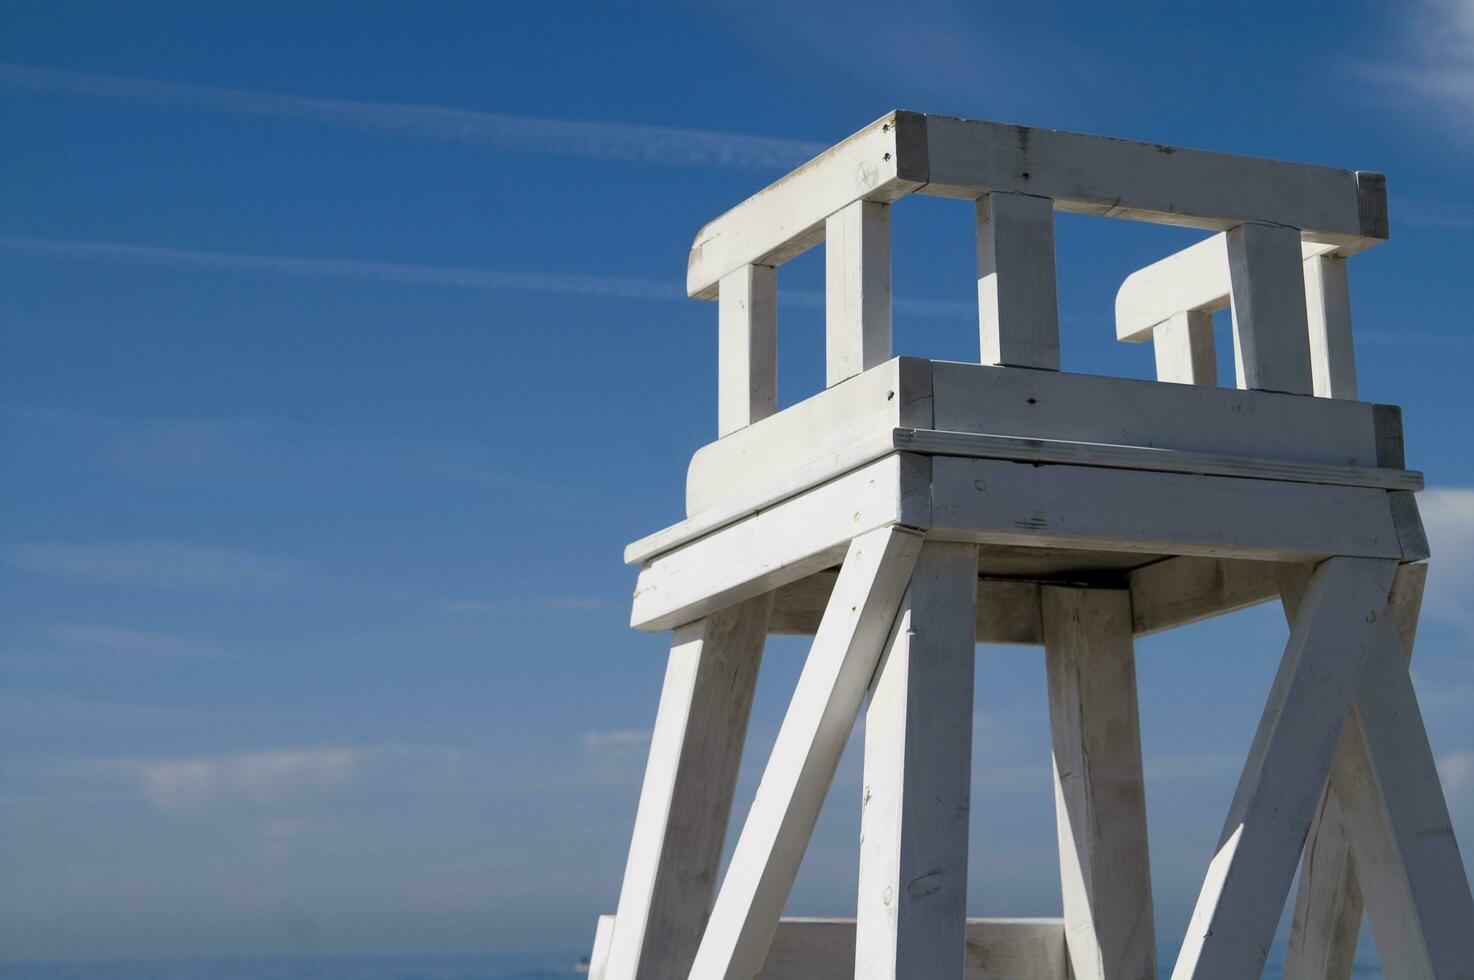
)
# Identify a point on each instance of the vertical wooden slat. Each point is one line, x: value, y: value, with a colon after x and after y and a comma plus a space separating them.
x: 1018, y: 306
x: 1328, y: 310
x: 1183, y: 346
x: 820, y: 717
x: 857, y: 290
x: 686, y: 800
x: 747, y: 347
x: 1099, y: 791
x: 918, y: 753
x: 1267, y: 289
x: 1249, y: 877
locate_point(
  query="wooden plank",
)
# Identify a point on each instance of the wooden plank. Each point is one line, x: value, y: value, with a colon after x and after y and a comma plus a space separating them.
x: 1328, y: 309
x: 882, y: 162
x: 599, y: 957
x: 1188, y: 589
x: 1412, y: 878
x: 747, y: 347
x: 1192, y: 280
x: 867, y: 407
x: 1267, y: 288
x: 1329, y: 904
x: 1152, y: 182
x: 1007, y: 609
x: 996, y: 949
x: 918, y: 769
x: 695, y: 750
x: 1018, y: 304
x: 976, y: 445
x: 821, y: 714
x: 857, y: 290
x: 1183, y: 347
x: 1239, y: 907
x: 823, y: 431
x: 1100, y: 796
x: 995, y: 502
x: 781, y: 544
x: 1127, y: 412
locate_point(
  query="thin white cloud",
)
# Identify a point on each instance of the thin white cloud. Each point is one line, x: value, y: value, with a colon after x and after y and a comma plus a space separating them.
x: 556, y: 603
x: 117, y: 641
x: 1438, y: 64
x: 1448, y: 519
x: 626, y: 142
x: 601, y: 743
x: 162, y: 564
x: 1456, y: 770
x: 257, y: 777
x: 396, y: 273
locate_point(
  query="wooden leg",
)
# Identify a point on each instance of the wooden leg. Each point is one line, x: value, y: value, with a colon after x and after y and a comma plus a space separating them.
x: 912, y: 907
x: 1099, y: 793
x: 1249, y: 877
x: 1329, y: 905
x: 821, y: 715
x: 1412, y: 877
x: 695, y: 752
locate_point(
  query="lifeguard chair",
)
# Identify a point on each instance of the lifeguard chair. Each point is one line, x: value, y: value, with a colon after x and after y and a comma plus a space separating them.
x: 917, y: 507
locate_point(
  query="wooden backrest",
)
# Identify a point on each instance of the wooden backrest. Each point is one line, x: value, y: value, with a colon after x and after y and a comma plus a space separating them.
x: 1274, y: 215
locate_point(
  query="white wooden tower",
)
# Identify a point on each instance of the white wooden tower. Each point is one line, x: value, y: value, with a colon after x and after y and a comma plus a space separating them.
x: 915, y: 508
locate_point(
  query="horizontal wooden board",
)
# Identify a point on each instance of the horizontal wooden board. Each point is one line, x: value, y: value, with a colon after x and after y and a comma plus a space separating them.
x: 882, y: 162
x: 853, y: 412
x: 1152, y: 182
x: 991, y: 501
x: 780, y: 544
x: 996, y: 949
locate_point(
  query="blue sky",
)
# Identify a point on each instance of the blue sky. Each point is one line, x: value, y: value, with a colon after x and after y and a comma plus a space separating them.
x: 343, y: 346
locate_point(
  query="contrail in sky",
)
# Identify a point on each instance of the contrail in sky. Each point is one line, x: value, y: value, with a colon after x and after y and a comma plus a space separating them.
x: 627, y: 142
x: 618, y: 287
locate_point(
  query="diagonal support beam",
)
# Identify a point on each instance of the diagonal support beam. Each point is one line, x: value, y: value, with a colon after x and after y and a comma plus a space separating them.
x: 821, y: 715
x: 1329, y: 904
x: 686, y: 800
x: 1249, y: 877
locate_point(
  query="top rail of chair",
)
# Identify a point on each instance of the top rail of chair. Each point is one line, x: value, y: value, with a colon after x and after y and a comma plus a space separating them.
x: 907, y: 152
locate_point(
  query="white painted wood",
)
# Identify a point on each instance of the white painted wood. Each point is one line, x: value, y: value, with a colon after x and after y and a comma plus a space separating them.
x: 1007, y: 609
x: 1092, y: 508
x: 1182, y: 590
x: 857, y: 290
x: 1271, y: 339
x: 1151, y: 182
x: 821, y: 714
x: 1328, y: 904
x: 1100, y: 797
x: 882, y: 162
x: 747, y: 347
x: 1018, y: 303
x: 599, y: 957
x: 1192, y: 280
x: 823, y: 427
x: 781, y: 544
x: 1183, y: 346
x: 977, y: 445
x: 996, y: 949
x: 823, y: 431
x: 1328, y: 309
x: 918, y: 769
x: 695, y: 751
x: 1239, y: 907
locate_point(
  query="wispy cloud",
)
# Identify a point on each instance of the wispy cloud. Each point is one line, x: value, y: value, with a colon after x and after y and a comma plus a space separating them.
x: 627, y: 142
x: 1448, y: 519
x: 163, y: 565
x: 1456, y: 770
x: 1438, y: 64
x: 258, y: 777
x: 132, y: 644
x: 395, y: 273
x: 555, y: 603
